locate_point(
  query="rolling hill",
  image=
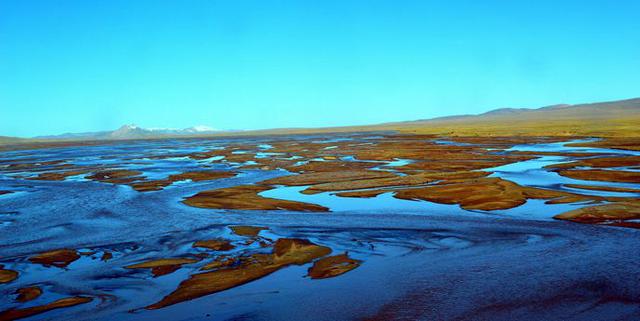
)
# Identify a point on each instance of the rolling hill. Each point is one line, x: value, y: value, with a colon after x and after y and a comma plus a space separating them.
x: 614, y: 118
x: 10, y: 140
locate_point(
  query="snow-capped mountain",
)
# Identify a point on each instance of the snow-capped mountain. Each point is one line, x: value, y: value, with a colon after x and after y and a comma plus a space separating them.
x: 200, y: 129
x: 127, y: 131
x: 133, y: 131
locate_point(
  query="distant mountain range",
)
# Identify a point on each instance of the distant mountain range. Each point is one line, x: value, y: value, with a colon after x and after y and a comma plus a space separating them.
x: 133, y: 131
x: 613, y: 118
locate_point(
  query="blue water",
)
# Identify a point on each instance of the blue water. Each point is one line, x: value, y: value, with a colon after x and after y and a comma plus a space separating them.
x: 421, y: 260
x: 533, y: 172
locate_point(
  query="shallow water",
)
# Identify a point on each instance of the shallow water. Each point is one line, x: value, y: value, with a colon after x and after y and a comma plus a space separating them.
x: 421, y: 260
x: 562, y: 147
x: 384, y: 202
x: 532, y: 172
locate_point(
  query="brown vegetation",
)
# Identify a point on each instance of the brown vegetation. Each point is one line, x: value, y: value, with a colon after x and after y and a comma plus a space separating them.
x: 58, y: 176
x: 220, y: 262
x: 613, y: 214
x: 485, y: 194
x: 602, y: 175
x: 332, y: 266
x: 600, y: 162
x: 116, y: 176
x: 28, y: 293
x: 216, y: 245
x: 396, y: 181
x: 245, y: 197
x: 626, y: 143
x: 244, y: 230
x: 285, y: 252
x: 59, y: 258
x: 7, y: 276
x: 156, y: 185
x: 162, y: 266
x: 327, y: 177
x: 14, y: 314
x: 604, y: 188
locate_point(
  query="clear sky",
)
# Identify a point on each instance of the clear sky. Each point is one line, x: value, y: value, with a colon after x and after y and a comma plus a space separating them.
x: 73, y: 66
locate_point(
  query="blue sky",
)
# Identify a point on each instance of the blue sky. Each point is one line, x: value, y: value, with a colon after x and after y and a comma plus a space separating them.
x: 72, y: 66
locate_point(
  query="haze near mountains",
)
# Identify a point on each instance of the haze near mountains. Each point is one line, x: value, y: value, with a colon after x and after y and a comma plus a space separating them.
x: 613, y: 118
x: 132, y: 131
